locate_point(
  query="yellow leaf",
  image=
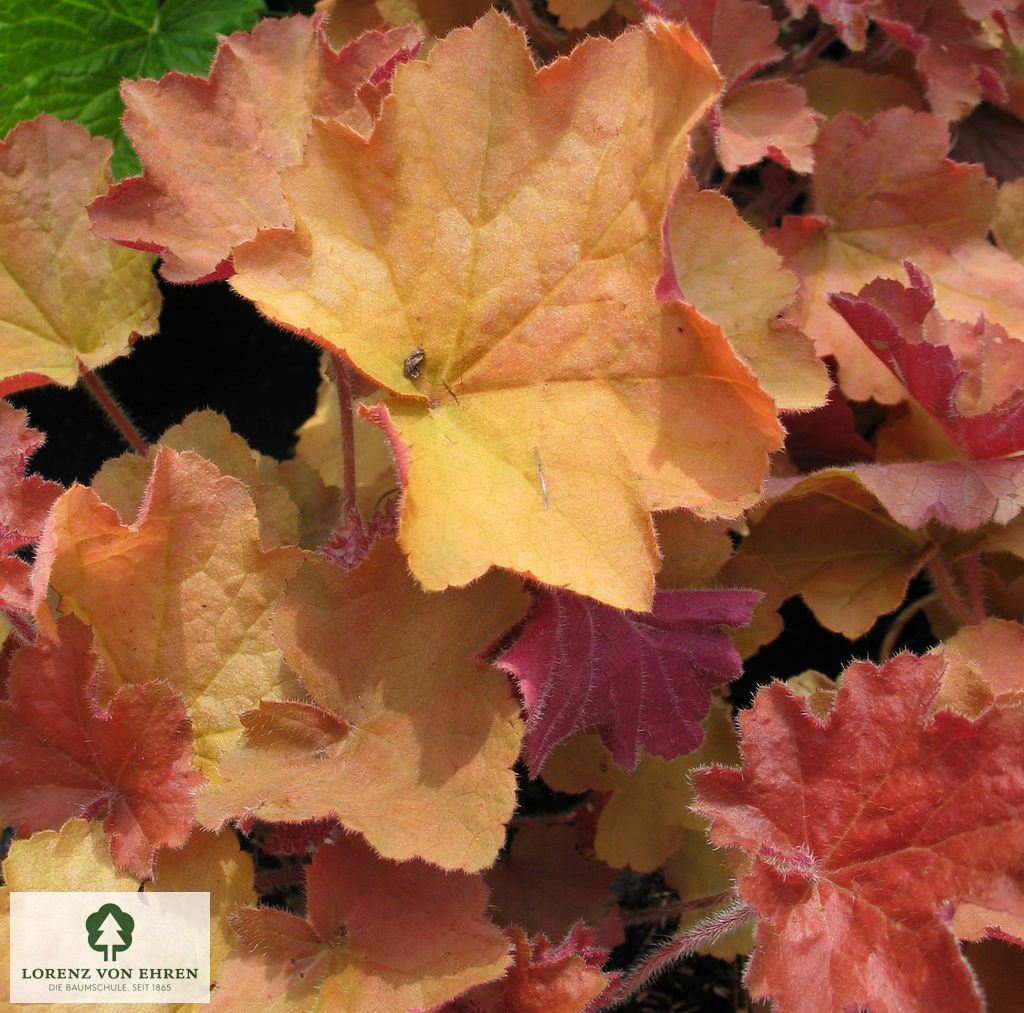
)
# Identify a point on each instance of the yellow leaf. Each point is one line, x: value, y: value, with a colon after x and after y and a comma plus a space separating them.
x: 508, y: 227
x: 66, y: 297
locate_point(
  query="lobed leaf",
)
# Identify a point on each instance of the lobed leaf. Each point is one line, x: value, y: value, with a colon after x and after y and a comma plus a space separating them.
x: 508, y: 224
x: 883, y: 190
x: 864, y: 830
x: 546, y: 880
x: 721, y: 266
x: 566, y: 978
x: 644, y: 680
x: 409, y: 739
x: 380, y: 936
x: 67, y: 57
x: 183, y: 594
x: 62, y: 755
x: 966, y: 376
x: 68, y: 299
x: 203, y: 194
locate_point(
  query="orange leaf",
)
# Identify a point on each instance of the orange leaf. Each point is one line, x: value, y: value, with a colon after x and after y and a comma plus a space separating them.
x: 67, y: 297
x: 214, y: 187
x: 380, y: 936
x: 557, y: 403
x: 62, y: 756
x: 410, y: 740
x: 884, y: 191
x: 183, y: 594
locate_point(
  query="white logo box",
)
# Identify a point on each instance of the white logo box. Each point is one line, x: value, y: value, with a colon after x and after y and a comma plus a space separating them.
x: 110, y: 947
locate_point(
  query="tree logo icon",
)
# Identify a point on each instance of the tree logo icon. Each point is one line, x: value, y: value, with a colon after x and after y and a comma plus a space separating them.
x: 110, y: 930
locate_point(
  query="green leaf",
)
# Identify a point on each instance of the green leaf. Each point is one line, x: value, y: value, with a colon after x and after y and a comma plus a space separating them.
x: 67, y: 57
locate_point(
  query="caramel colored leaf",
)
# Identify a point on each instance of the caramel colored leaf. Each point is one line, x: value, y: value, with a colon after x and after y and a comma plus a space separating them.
x: 122, y: 481
x: 214, y: 187
x: 832, y: 89
x: 380, y: 936
x: 883, y: 192
x: 862, y: 831
x: 67, y: 298
x: 62, y: 755
x: 578, y: 13
x: 545, y: 882
x: 410, y: 739
x: 644, y: 680
x: 692, y: 549
x: 831, y: 541
x: 182, y: 594
x: 740, y: 34
x: 723, y: 267
x: 990, y: 652
x: 557, y: 403
x: 753, y: 119
x: 434, y: 17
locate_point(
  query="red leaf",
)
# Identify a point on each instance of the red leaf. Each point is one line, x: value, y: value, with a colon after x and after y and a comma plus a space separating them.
x: 642, y: 679
x: 966, y: 376
x: 25, y: 500
x: 864, y: 832
x: 61, y: 757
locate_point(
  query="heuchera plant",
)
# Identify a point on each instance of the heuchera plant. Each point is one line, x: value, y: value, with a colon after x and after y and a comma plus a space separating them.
x: 636, y: 321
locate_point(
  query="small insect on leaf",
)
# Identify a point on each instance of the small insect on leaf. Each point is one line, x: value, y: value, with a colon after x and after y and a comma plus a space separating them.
x: 413, y: 363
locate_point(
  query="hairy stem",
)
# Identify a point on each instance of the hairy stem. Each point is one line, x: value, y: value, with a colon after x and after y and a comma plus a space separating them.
x: 673, y: 910
x: 947, y: 592
x: 684, y: 944
x: 899, y: 624
x: 972, y: 567
x: 342, y: 381
x: 96, y: 387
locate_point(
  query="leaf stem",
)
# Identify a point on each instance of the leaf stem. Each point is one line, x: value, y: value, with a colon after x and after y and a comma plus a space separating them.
x: 972, y: 568
x: 675, y: 909
x: 342, y: 383
x: 98, y: 389
x: 684, y: 944
x: 947, y: 592
x: 899, y: 624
